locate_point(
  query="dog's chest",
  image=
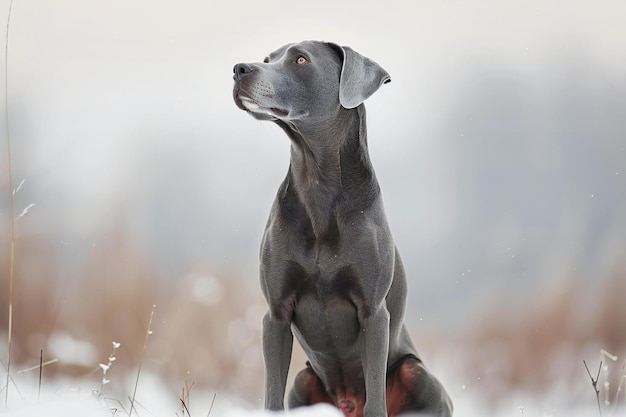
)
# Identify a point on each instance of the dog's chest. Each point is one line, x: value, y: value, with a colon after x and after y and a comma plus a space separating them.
x: 328, y: 279
x: 326, y: 310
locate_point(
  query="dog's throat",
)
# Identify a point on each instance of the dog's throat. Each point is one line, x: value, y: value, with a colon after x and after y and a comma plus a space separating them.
x: 317, y: 182
x: 321, y: 211
x: 330, y: 166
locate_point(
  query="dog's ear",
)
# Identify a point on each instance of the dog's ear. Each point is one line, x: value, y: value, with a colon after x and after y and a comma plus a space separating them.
x: 360, y: 78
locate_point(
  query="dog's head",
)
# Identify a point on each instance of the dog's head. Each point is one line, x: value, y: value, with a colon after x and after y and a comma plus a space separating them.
x: 306, y: 80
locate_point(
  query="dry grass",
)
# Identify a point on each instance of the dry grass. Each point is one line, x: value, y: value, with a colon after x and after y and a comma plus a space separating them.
x: 538, y: 349
x: 11, y: 210
x: 594, y: 384
x: 215, y: 341
x: 143, y: 352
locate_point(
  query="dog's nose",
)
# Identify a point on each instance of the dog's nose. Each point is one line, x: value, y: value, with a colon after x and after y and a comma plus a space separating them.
x: 242, y: 70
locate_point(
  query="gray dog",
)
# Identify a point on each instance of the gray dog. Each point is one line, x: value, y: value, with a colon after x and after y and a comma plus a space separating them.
x: 330, y: 271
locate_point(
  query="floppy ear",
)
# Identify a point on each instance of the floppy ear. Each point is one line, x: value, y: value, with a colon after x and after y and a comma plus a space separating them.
x: 360, y: 78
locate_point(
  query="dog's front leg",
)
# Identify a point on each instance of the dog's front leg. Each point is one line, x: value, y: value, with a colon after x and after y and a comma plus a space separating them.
x: 277, y: 345
x: 374, y: 351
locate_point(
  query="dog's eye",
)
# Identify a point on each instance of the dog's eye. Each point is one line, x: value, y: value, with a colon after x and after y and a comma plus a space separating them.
x: 301, y: 60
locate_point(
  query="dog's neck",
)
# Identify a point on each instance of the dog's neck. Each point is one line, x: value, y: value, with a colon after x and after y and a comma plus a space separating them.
x: 330, y: 168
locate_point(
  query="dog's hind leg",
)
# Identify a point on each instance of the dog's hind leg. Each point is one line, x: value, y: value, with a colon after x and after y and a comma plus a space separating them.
x: 307, y: 390
x: 411, y: 388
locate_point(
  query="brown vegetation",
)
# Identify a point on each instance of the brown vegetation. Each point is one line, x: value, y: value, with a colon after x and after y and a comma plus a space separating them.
x: 206, y: 324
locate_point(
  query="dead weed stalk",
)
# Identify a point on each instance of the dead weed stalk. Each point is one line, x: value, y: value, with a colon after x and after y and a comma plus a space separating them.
x: 11, y: 208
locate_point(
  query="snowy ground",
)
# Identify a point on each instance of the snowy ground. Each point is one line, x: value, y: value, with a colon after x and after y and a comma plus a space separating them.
x: 93, y: 408
x: 81, y: 409
x: 66, y: 398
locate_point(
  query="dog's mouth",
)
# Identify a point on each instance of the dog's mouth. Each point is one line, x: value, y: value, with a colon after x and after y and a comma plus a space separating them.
x: 246, y: 102
x: 280, y: 113
x: 239, y: 95
x: 253, y: 106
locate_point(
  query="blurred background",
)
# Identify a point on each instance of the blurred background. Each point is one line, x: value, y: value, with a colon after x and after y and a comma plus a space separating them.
x: 500, y: 147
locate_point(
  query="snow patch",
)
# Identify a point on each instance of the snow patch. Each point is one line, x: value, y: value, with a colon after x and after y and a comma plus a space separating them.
x: 319, y: 410
x: 70, y: 350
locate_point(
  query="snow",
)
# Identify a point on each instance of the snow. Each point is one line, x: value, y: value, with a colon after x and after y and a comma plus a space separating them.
x: 70, y: 350
x: 61, y: 408
x: 66, y: 397
x: 93, y: 408
x: 320, y: 410
x: 65, y: 400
